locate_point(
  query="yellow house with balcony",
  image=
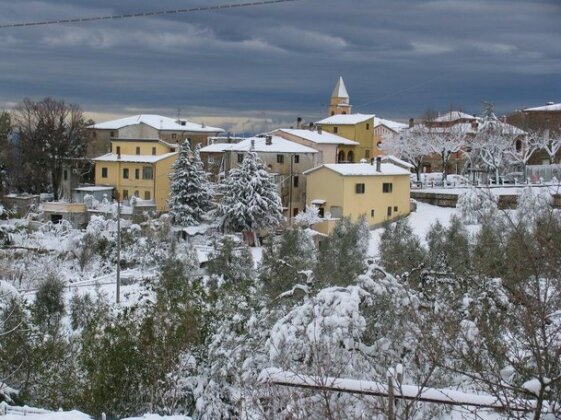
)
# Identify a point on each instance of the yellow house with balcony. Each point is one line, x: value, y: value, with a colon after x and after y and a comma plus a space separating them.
x: 380, y: 191
x: 356, y: 127
x: 138, y: 167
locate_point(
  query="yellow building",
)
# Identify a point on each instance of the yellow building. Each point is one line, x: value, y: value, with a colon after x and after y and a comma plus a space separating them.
x: 380, y: 191
x: 138, y: 167
x: 148, y: 126
x: 356, y: 127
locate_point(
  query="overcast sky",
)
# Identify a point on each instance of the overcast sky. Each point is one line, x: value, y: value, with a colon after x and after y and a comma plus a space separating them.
x: 275, y: 63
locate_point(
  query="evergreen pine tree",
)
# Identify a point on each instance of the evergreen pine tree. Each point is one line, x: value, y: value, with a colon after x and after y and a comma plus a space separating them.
x: 251, y: 201
x: 190, y: 192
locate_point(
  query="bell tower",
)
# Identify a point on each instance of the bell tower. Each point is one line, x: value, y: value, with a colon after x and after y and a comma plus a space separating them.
x: 339, y: 102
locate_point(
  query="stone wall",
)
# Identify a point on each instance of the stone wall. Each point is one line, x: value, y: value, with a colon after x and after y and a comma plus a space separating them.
x: 449, y: 200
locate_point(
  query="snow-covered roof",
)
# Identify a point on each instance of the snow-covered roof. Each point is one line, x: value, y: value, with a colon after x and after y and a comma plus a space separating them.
x: 454, y: 116
x: 397, y: 161
x: 340, y: 90
x: 158, y: 122
x: 361, y: 169
x: 392, y: 125
x: 505, y: 128
x: 346, y: 119
x: 319, y: 138
x: 113, y: 157
x: 548, y: 107
x: 278, y: 145
x: 217, y: 147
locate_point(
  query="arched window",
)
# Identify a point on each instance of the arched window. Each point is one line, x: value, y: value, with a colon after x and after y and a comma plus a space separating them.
x: 350, y: 156
x: 518, y: 145
x: 341, y: 156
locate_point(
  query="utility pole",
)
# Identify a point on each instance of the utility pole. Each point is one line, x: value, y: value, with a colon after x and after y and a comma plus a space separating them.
x: 118, y: 248
x: 291, y: 181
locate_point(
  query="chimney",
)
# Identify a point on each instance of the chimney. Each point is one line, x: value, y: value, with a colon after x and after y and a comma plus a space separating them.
x: 378, y: 164
x: 320, y: 130
x: 252, y: 144
x: 411, y: 122
x: 268, y: 140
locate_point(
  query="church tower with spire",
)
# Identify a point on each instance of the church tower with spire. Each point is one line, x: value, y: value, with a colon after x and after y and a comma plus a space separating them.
x: 339, y: 102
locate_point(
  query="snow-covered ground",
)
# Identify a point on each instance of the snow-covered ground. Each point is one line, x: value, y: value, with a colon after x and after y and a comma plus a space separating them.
x: 420, y: 221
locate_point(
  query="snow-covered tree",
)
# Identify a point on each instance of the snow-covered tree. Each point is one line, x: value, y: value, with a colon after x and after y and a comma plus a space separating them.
x: 477, y: 205
x: 287, y: 262
x: 409, y: 146
x: 400, y: 249
x: 251, y: 201
x: 308, y: 217
x: 190, y: 191
x: 532, y: 205
x: 445, y: 144
x: 549, y: 142
x: 493, y: 143
x: 342, y: 255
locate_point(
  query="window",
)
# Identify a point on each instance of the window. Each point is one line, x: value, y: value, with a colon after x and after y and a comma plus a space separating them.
x: 296, y: 158
x: 112, y: 134
x: 137, y: 173
x: 65, y: 175
x: 335, y: 130
x: 138, y: 150
x: 359, y: 188
x: 341, y: 156
x: 336, y: 211
x: 153, y: 150
x: 126, y: 173
x: 372, y: 213
x: 147, y: 172
x: 210, y: 158
x: 136, y: 193
x: 295, y: 212
x: 387, y: 187
x: 321, y: 212
x: 118, y: 150
x: 172, y: 149
x: 240, y: 157
x: 147, y: 195
x: 94, y: 134
x: 368, y: 126
x: 389, y: 211
x: 367, y: 154
x: 395, y: 208
x: 350, y: 156
x: 104, y: 172
x: 280, y: 158
x: 125, y: 194
x: 296, y: 182
x: 174, y: 136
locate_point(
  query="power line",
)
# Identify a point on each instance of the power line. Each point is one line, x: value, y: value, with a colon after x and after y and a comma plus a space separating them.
x: 145, y: 14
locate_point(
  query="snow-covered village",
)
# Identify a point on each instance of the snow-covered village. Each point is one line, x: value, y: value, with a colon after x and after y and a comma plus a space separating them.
x: 280, y: 210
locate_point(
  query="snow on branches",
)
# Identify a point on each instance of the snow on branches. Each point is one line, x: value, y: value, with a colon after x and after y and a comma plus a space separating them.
x: 190, y: 191
x: 251, y: 201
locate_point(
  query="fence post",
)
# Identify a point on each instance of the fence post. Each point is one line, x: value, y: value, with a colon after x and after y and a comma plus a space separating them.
x: 391, y: 402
